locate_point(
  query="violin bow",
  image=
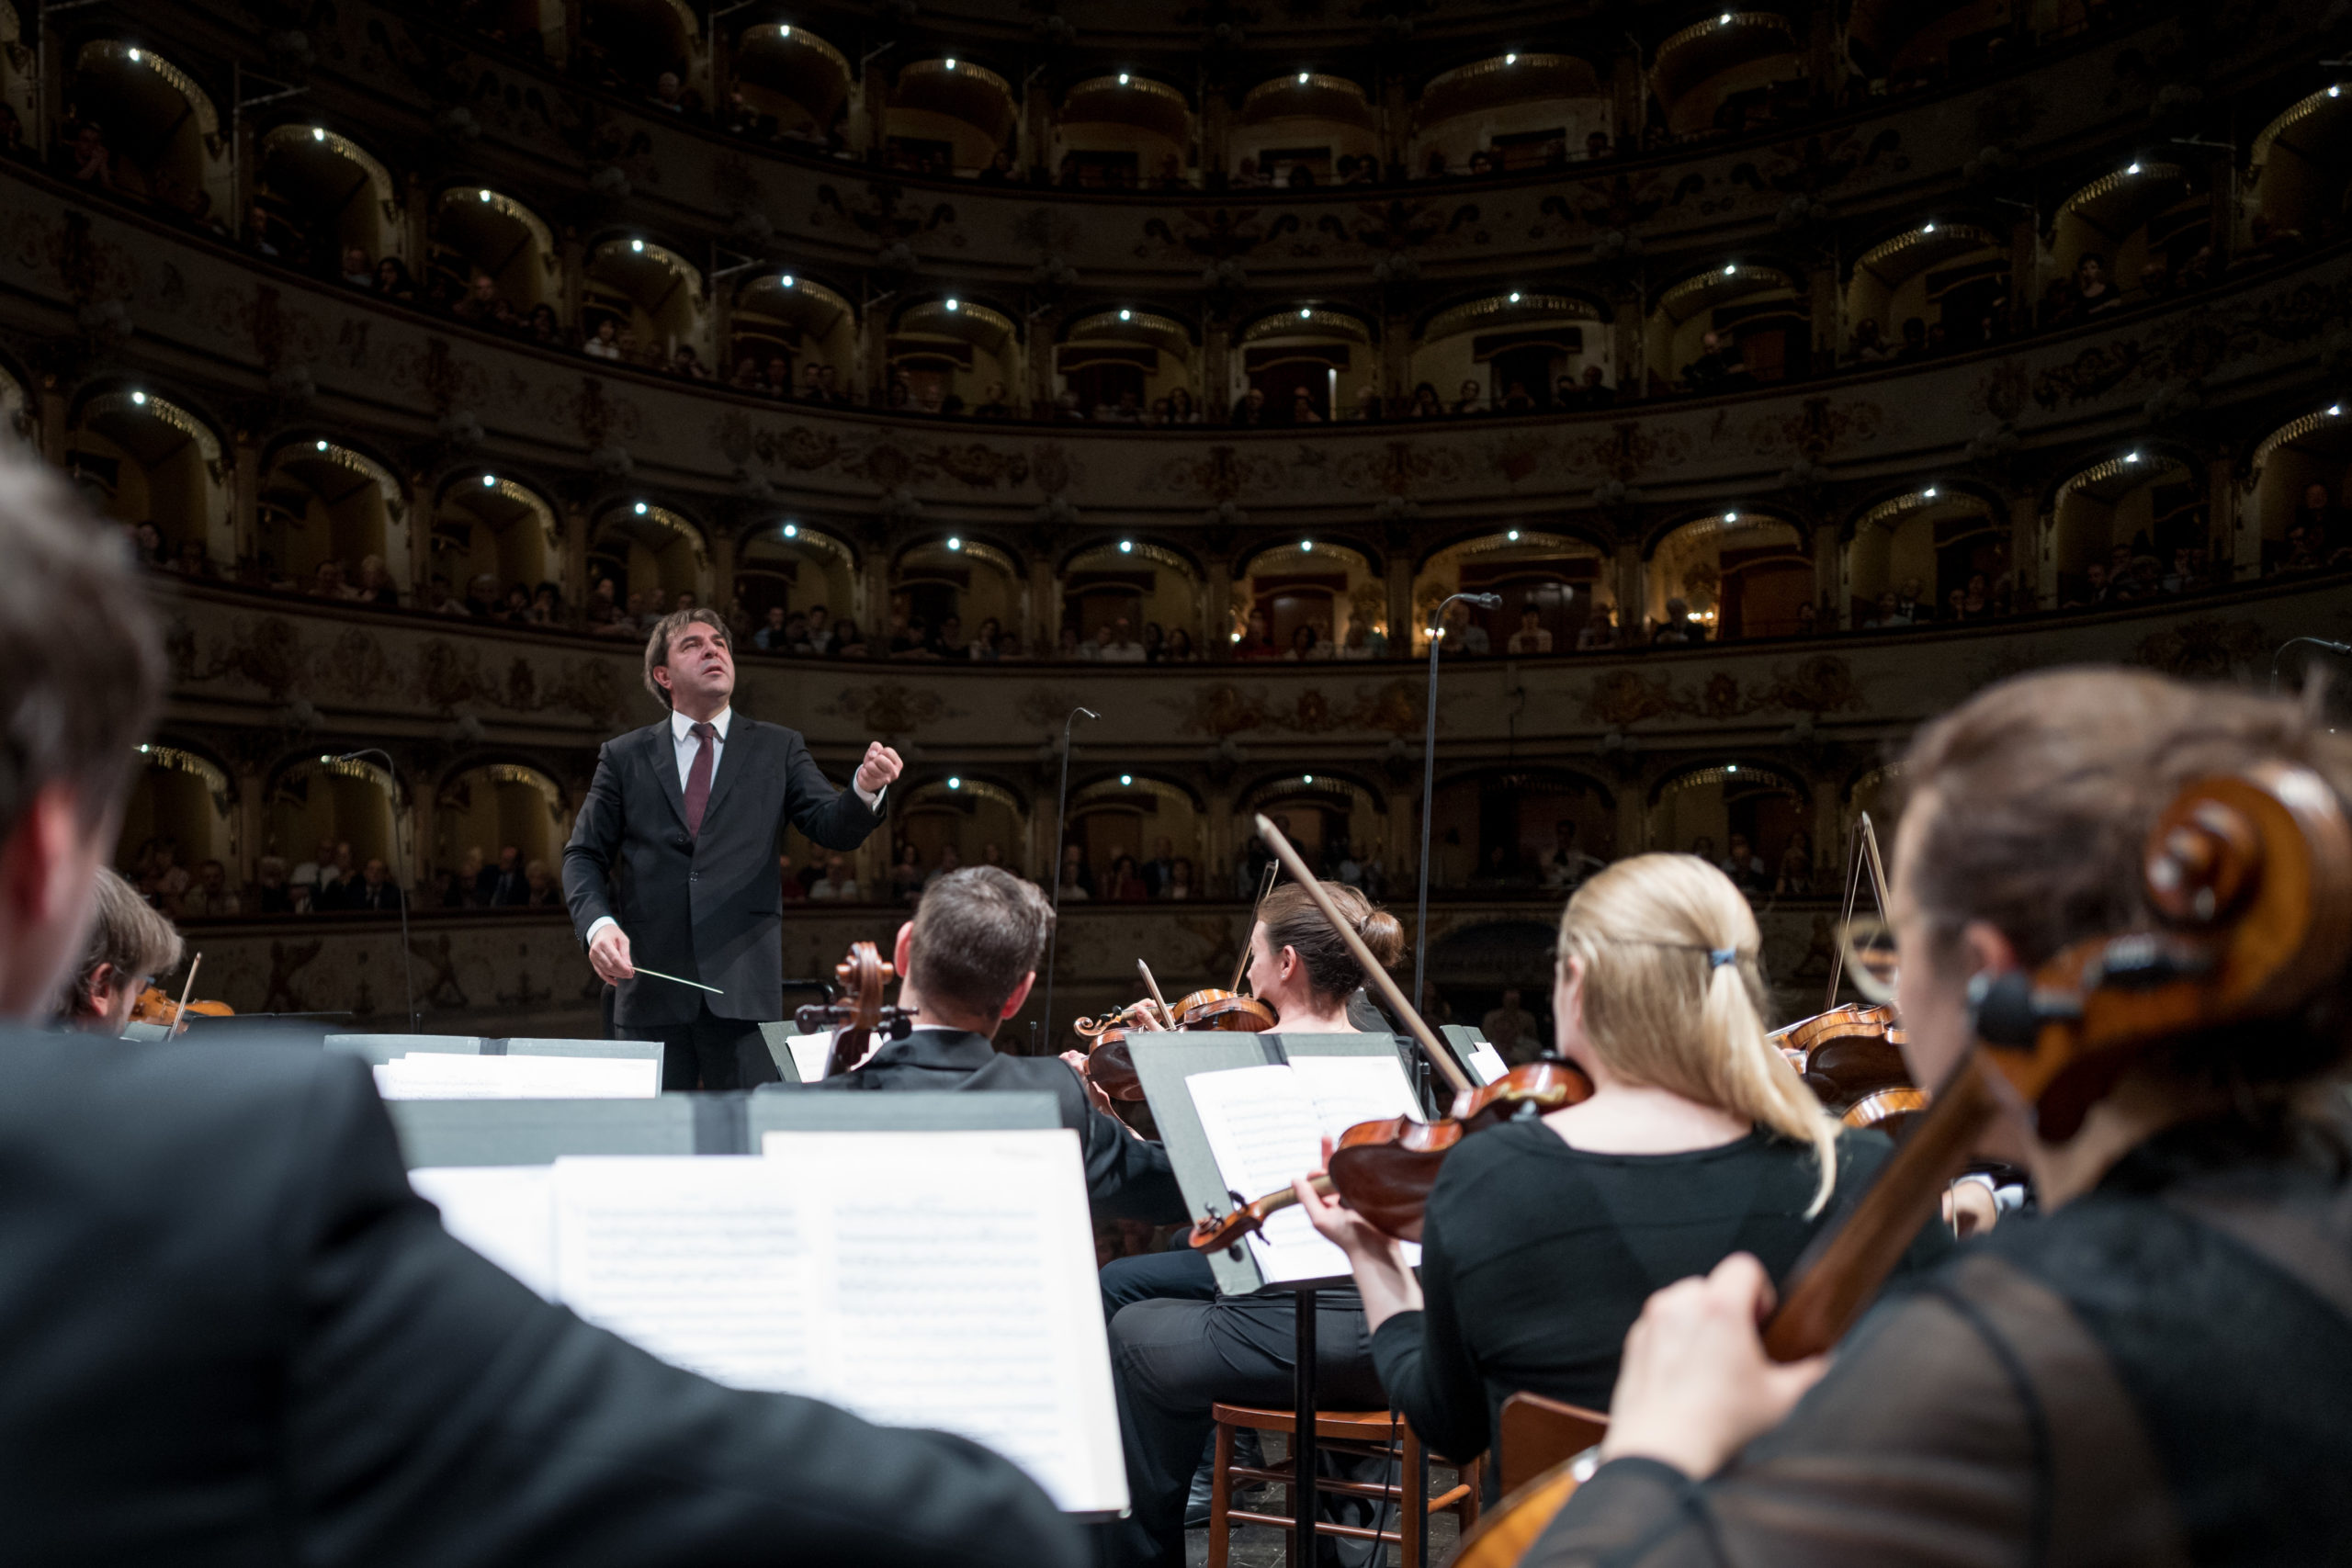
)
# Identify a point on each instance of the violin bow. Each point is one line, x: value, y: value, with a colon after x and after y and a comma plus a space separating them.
x: 1448, y: 1068
x: 1165, y: 1013
x: 179, y: 1013
x: 1241, y: 965
x: 1865, y: 858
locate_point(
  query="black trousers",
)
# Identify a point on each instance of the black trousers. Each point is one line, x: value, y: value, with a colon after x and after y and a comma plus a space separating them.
x: 1172, y: 1357
x: 710, y: 1052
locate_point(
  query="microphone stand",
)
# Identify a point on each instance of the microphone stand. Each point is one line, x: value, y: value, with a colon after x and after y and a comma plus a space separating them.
x: 2315, y: 641
x: 1428, y: 795
x: 1061, y: 814
x: 407, y: 961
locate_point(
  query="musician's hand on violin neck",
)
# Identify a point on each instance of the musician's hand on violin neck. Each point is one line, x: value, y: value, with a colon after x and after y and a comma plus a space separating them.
x: 608, y: 955
x: 1094, y: 1095
x: 1695, y: 1386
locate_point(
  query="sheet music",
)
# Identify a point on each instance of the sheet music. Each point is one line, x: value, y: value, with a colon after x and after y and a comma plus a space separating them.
x: 1345, y: 1091
x: 1487, y: 1064
x: 439, y: 1074
x: 703, y: 1261
x: 506, y: 1213
x: 963, y: 1294
x: 810, y: 1055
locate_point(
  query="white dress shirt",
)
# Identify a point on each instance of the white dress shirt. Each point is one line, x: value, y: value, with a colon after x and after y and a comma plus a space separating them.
x: 686, y: 744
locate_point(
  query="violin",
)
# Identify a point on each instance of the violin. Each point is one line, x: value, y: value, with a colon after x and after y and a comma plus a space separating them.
x: 1108, y: 1062
x: 1385, y: 1170
x: 1846, y: 1054
x: 857, y: 1012
x: 2250, y: 877
x: 153, y: 1007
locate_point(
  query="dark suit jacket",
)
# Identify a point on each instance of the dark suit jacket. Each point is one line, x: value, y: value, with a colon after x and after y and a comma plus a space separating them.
x: 235, y: 1336
x: 1125, y: 1176
x: 708, y: 907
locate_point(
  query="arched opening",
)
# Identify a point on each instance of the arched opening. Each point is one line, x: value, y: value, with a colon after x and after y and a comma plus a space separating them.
x: 1517, y: 830
x: 976, y: 821
x: 317, y: 806
x: 140, y: 126
x: 2299, y: 515
x: 1139, y: 583
x: 1336, y: 823
x: 1910, y: 43
x: 1297, y: 130
x: 948, y: 114
x: 950, y: 355
x: 1516, y: 352
x: 178, y: 826
x: 943, y: 591
x: 634, y: 44
x: 532, y: 28
x: 327, y: 205
x: 1123, y: 132
x: 2301, y: 174
x: 1728, y: 329
x: 799, y: 570
x: 493, y: 259
x: 485, y: 809
x: 1743, y: 574
x: 334, y: 522
x: 1127, y: 814
x: 652, y: 555
x: 797, y: 334
x: 795, y: 86
x: 1921, y: 548
x: 1303, y: 601
x: 1511, y: 113
x: 1126, y: 367
x: 16, y: 422
x: 654, y: 298
x: 490, y: 536
x: 1939, y: 287
x: 1730, y: 71
x: 151, y: 465
x: 2124, y: 239
x: 19, y: 82
x: 2132, y: 517
x: 1744, y: 817
x: 1301, y: 365
x: 1475, y: 970
x: 1559, y: 577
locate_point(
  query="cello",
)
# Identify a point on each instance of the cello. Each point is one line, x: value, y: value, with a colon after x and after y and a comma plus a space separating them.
x: 857, y: 1012
x: 2249, y: 878
x: 1385, y: 1170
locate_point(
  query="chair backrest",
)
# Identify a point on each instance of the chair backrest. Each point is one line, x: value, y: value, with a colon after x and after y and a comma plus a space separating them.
x: 1533, y: 1434
x: 378, y: 1049
x: 610, y: 1050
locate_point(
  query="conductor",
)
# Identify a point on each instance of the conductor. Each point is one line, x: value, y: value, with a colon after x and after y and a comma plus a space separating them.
x: 672, y: 859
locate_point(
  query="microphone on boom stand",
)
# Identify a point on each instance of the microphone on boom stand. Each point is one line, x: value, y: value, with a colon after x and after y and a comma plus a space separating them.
x: 1429, y: 799
x: 1061, y: 812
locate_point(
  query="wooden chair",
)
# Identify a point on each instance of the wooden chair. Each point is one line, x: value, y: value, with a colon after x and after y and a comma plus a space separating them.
x: 1533, y: 1434
x: 1360, y: 1433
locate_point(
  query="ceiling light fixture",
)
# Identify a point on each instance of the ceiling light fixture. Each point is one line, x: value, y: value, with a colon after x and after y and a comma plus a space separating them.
x: 792, y: 530
x: 955, y: 544
x: 641, y: 509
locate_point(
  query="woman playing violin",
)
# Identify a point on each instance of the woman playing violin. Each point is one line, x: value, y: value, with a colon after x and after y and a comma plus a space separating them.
x: 1544, y: 1236
x: 2158, y: 1369
x: 1299, y: 966
x: 130, y: 945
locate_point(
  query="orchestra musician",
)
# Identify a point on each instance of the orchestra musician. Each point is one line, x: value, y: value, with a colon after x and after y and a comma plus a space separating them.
x: 2158, y: 1369
x: 1177, y: 1348
x: 1542, y: 1237
x: 672, y: 857
x: 968, y: 961
x: 236, y: 1335
x: 131, y: 943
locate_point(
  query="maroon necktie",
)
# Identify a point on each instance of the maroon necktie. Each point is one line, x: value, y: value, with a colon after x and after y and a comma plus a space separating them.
x: 698, y: 776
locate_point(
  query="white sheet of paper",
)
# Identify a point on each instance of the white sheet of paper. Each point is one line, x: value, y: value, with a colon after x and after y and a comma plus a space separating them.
x: 811, y: 1053
x: 435, y: 1074
x: 1487, y: 1063
x: 964, y: 1294
x: 506, y: 1213
x: 1346, y: 1090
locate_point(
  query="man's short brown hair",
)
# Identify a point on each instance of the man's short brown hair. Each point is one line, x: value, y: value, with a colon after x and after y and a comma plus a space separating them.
x: 657, y: 645
x: 978, y: 933
x: 2047, y: 786
x: 85, y: 666
x: 128, y: 935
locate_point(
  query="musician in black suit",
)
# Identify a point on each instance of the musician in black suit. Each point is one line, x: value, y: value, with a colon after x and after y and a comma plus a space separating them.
x: 672, y: 857
x: 236, y: 1335
x: 968, y: 961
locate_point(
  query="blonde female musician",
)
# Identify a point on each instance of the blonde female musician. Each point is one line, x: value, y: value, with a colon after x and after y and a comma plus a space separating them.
x: 1544, y: 1237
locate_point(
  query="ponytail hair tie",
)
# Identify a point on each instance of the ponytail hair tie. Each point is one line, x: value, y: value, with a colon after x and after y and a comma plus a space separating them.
x: 1719, y: 956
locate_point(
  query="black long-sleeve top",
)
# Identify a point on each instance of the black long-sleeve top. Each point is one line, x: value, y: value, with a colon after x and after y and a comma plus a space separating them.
x: 1536, y: 1257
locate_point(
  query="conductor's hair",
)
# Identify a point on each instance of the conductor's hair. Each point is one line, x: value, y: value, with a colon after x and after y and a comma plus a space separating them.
x: 85, y: 665
x: 129, y: 938
x: 1292, y: 921
x: 977, y: 935
x: 657, y: 645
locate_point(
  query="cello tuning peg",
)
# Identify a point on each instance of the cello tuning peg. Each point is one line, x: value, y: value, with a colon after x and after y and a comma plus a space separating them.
x: 2201, y: 865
